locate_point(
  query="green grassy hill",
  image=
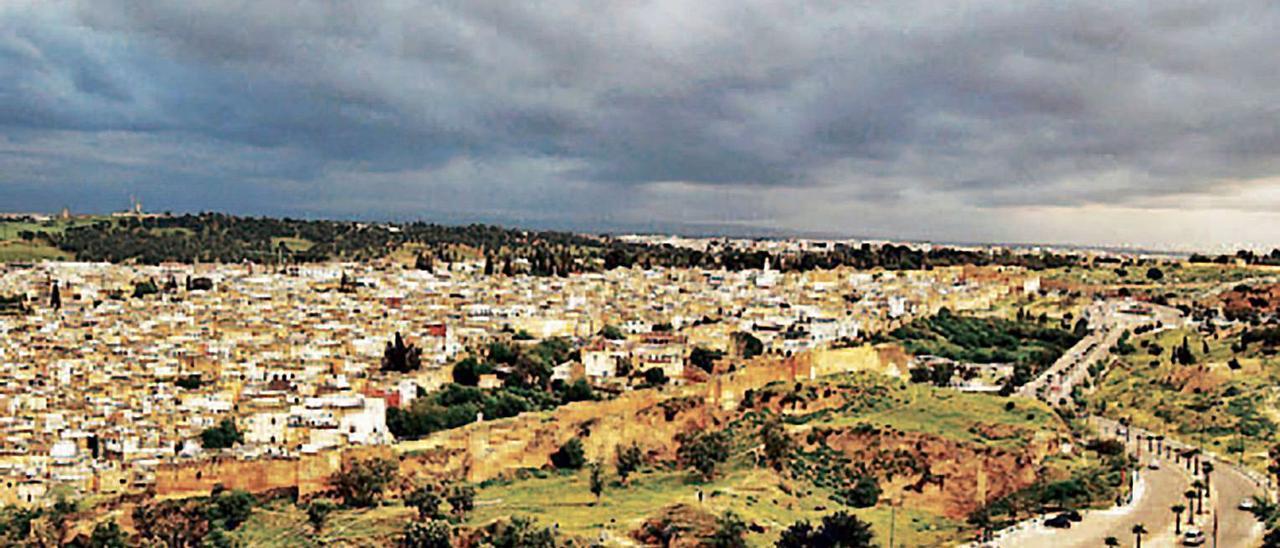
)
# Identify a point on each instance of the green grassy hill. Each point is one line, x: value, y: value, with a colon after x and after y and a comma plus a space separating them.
x: 1214, y: 402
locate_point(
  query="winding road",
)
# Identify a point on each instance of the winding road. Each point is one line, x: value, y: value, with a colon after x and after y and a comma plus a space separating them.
x: 1157, y: 487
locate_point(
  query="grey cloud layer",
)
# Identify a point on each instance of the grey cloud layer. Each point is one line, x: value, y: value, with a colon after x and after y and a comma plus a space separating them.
x: 467, y: 104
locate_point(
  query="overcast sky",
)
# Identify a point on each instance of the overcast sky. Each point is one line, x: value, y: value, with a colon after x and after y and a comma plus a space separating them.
x: 1105, y: 122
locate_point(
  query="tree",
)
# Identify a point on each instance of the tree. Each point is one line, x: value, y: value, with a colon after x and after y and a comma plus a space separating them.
x: 530, y: 370
x: 55, y: 300
x: 1183, y: 354
x: 1199, y: 487
x: 144, y: 288
x: 800, y: 534
x: 1190, y: 495
x: 1177, y: 510
x: 361, y: 482
x: 578, y: 390
x: 1154, y: 274
x: 424, y: 262
x: 864, y: 493
x: 704, y: 358
x: 1081, y: 328
x: 627, y: 460
x: 1138, y: 531
x: 222, y: 436
x: 434, y: 533
x: 838, y: 530
x: 597, y: 481
x: 227, y: 510
x: 521, y: 532
x: 462, y: 499
x: 427, y: 499
x: 703, y: 451
x: 401, y: 358
x: 107, y: 534
x: 569, y: 456
x: 730, y: 532
x: 189, y: 382
x: 467, y: 371
x: 747, y: 345
x: 655, y: 376
x: 777, y: 445
x: 317, y: 512
x: 1111, y: 541
x: 612, y: 333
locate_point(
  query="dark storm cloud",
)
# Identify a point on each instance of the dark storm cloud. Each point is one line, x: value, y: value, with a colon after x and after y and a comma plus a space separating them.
x: 982, y: 104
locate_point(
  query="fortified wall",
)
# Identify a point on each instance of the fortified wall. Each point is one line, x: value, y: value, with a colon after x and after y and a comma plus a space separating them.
x: 480, y: 451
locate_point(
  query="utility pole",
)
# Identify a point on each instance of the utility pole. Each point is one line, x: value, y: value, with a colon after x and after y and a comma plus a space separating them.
x: 893, y: 520
x: 1240, y: 446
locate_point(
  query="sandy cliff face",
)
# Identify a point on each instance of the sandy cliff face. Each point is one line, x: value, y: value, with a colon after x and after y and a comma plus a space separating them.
x: 936, y: 474
x: 947, y: 476
x: 923, y: 469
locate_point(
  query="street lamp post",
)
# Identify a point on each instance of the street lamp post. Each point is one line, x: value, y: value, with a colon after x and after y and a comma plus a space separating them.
x: 893, y: 520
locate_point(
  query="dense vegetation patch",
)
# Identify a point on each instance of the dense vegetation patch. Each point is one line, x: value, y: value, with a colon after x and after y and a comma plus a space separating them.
x: 1030, y: 345
x: 215, y: 237
x: 527, y: 386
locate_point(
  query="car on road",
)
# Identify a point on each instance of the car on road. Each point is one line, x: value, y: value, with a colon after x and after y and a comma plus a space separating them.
x: 1246, y: 504
x: 1193, y: 537
x: 1153, y: 465
x: 1060, y: 521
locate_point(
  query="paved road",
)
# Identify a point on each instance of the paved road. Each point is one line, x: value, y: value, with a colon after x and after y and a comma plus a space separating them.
x: 1235, y: 527
x: 1228, y: 486
x: 1109, y: 320
x: 1156, y: 490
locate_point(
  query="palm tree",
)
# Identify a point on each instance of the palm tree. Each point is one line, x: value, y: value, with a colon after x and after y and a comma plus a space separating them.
x: 1199, y: 487
x: 1138, y: 531
x: 1191, y: 503
x: 1111, y: 541
x: 1206, y: 468
x: 1177, y: 519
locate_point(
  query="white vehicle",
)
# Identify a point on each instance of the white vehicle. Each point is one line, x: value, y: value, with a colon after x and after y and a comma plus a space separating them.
x: 1193, y: 537
x: 1246, y: 504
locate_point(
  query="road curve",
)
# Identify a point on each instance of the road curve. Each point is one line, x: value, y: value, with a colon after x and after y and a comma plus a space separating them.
x: 1158, y: 488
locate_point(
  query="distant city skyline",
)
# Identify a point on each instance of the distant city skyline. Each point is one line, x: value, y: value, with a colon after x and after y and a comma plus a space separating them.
x: 1088, y: 123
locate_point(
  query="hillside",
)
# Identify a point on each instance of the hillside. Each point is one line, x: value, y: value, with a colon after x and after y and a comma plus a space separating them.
x: 216, y: 237
x: 860, y: 442
x: 1222, y: 397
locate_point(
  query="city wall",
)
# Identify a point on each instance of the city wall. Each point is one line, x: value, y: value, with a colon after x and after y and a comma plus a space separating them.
x: 480, y: 451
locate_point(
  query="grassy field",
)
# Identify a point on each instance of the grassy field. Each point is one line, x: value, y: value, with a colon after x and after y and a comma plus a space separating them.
x: 293, y: 244
x: 564, y: 501
x: 752, y: 493
x: 1173, y: 274
x: 10, y: 230
x: 14, y: 249
x: 20, y: 251
x: 1207, y: 403
x: 284, y: 525
x: 952, y: 415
